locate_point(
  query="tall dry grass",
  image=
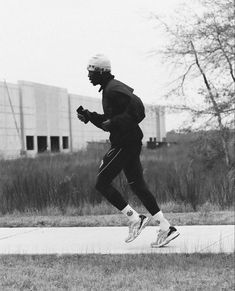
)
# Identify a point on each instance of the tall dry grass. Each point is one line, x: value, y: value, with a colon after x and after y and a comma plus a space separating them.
x: 65, y: 180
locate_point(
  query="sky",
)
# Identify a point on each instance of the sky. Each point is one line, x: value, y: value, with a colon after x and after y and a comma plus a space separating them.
x: 51, y: 41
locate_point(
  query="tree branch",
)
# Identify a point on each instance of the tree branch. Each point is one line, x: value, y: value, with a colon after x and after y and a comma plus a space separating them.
x: 226, y: 57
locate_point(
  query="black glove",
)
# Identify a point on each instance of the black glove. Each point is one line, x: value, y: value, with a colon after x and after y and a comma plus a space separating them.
x: 84, y: 113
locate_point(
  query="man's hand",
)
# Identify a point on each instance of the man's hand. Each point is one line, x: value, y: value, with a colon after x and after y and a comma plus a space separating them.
x: 83, y: 114
x: 106, y: 125
x: 81, y: 117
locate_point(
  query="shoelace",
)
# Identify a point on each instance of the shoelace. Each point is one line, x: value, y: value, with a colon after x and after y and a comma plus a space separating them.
x: 161, y: 235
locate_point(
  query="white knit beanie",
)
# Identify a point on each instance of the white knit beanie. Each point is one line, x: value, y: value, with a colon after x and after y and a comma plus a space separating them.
x: 100, y: 63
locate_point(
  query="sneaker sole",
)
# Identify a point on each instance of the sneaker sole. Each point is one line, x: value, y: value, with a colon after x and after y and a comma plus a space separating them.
x: 144, y: 224
x: 174, y: 235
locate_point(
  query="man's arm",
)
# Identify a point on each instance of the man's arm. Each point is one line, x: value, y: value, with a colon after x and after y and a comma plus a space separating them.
x: 97, y: 119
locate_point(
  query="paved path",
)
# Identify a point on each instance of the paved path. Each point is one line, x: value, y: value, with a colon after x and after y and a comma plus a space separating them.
x: 110, y: 240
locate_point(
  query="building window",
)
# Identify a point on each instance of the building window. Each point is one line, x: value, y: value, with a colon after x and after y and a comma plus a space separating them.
x: 42, y: 143
x: 29, y: 142
x: 65, y: 140
x: 55, y: 143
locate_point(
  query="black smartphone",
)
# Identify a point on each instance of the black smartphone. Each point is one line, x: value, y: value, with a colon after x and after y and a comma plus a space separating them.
x: 80, y: 110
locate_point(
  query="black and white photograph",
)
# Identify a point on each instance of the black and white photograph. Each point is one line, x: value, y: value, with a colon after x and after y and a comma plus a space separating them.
x: 117, y: 145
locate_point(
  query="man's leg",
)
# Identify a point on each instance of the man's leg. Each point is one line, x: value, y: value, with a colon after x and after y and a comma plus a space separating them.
x: 134, y: 173
x: 110, y: 167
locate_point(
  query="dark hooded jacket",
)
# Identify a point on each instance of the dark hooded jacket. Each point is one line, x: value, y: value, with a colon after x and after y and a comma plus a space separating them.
x: 124, y: 129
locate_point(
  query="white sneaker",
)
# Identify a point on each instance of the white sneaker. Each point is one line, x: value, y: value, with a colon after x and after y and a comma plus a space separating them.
x: 136, y: 227
x: 164, y: 237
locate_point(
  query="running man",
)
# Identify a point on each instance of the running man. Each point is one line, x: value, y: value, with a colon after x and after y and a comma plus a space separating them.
x: 124, y: 154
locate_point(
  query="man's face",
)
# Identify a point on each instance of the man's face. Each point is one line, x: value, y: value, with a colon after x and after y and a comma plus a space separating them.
x: 95, y: 77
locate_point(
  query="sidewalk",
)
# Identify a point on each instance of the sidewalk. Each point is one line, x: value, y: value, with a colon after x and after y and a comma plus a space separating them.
x: 110, y: 240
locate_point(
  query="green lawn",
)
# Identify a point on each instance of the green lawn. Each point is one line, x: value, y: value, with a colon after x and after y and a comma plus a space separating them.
x: 118, y: 272
x: 37, y: 220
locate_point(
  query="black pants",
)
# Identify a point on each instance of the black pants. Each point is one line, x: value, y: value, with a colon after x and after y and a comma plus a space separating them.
x: 128, y: 160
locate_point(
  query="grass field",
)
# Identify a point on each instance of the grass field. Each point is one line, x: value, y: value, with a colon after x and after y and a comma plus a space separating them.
x: 58, y: 191
x: 67, y: 180
x: 104, y: 214
x: 46, y: 220
x: 116, y: 272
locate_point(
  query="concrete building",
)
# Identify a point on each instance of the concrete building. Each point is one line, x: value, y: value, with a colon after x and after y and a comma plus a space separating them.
x: 35, y: 118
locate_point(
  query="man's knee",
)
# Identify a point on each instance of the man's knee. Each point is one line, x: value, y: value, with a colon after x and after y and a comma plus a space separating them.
x: 101, y: 185
x: 98, y: 185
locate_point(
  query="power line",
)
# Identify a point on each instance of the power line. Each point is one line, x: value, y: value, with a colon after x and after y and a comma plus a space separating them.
x: 12, y: 110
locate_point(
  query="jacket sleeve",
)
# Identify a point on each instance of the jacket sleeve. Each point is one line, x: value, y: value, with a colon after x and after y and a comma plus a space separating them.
x: 124, y: 120
x: 96, y: 118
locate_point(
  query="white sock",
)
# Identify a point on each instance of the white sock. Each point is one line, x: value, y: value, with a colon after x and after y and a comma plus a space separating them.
x: 130, y: 213
x: 164, y: 224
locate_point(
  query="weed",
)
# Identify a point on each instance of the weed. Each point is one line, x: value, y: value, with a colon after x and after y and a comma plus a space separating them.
x: 66, y: 182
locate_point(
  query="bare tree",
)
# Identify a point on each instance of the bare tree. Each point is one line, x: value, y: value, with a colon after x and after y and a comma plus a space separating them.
x: 202, y: 50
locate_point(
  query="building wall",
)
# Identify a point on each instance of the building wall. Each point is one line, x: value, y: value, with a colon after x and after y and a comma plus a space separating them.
x: 43, y: 118
x: 148, y: 125
x: 83, y: 133
x: 45, y: 113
